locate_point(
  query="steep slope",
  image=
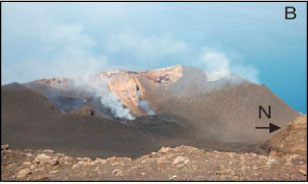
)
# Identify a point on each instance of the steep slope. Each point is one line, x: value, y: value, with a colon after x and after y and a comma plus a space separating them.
x: 231, y: 114
x: 17, y: 99
x: 29, y: 120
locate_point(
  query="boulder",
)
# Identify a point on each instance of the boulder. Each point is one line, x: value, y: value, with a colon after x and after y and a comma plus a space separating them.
x: 180, y: 161
x: 4, y: 147
x: 23, y: 173
x: 46, y: 159
x: 291, y: 140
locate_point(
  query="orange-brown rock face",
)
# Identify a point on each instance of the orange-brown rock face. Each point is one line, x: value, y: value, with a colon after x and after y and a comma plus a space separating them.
x: 164, y: 76
x: 130, y: 87
x: 54, y: 82
x: 291, y: 140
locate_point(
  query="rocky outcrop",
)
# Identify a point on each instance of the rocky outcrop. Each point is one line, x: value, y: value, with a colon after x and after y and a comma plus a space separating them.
x: 167, y: 164
x: 290, y: 141
x: 57, y: 82
x: 53, y: 82
x: 164, y: 76
x: 129, y: 87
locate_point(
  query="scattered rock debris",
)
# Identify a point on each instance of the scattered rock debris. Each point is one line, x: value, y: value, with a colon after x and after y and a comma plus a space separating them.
x: 179, y: 163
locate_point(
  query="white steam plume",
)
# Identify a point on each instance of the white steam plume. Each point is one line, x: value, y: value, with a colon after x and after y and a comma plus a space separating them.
x: 218, y: 65
x: 146, y: 106
x: 99, y: 88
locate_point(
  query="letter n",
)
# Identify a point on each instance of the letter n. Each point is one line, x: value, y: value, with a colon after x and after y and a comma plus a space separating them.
x: 267, y: 114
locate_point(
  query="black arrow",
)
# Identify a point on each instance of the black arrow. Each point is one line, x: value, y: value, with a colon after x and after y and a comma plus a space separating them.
x: 272, y: 127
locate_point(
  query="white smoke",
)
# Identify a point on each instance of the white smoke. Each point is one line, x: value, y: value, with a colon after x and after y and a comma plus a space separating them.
x: 218, y: 65
x: 146, y: 106
x: 99, y: 88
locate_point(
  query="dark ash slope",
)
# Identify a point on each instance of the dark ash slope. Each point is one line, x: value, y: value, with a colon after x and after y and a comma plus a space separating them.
x: 232, y: 113
x: 29, y: 120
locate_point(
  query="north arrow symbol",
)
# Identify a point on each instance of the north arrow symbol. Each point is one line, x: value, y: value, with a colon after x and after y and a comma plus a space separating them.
x: 272, y: 127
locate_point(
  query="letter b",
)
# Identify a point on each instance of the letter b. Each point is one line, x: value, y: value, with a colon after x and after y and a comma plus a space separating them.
x: 290, y: 12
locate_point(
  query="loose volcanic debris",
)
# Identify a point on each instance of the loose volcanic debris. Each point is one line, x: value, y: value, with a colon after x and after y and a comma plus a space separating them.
x: 291, y: 140
x: 179, y: 163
